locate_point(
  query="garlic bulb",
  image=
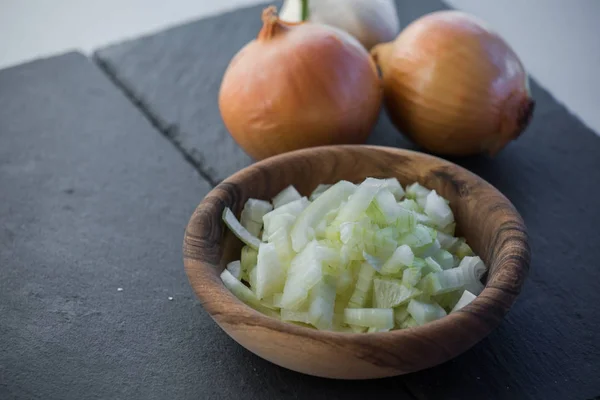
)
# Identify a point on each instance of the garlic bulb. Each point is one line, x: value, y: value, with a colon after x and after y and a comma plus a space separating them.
x: 370, y: 21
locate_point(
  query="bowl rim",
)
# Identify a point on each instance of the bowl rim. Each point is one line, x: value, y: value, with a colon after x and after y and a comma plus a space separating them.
x: 229, y: 304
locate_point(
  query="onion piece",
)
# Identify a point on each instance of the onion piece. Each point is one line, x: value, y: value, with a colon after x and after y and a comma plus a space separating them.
x: 390, y: 293
x: 270, y: 272
x: 394, y: 186
x: 400, y: 315
x: 402, y: 258
x: 444, y: 258
x: 320, y: 312
x: 242, y: 292
x: 382, y: 318
x: 466, y: 299
x: 295, y: 316
x: 362, y: 290
x: 432, y: 265
x: 234, y: 225
x: 248, y: 260
x: 425, y: 312
x: 409, y: 323
x: 286, y: 196
x: 437, y: 209
x: 303, y: 230
x: 284, y: 216
x: 235, y: 268
x: 359, y: 200
x: 320, y: 189
x: 255, y: 210
x: 252, y: 214
x: 411, y: 276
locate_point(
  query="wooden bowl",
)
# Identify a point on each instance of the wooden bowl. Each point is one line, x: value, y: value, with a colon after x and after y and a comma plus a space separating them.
x: 484, y: 216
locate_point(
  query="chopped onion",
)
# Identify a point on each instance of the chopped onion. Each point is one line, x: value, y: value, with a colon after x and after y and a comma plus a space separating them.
x: 394, y: 186
x: 400, y: 315
x: 305, y: 271
x: 409, y: 323
x: 286, y: 196
x: 248, y: 260
x: 284, y: 215
x: 420, y: 237
x: 430, y: 249
x: 425, y: 312
x: 235, y: 268
x: 252, y: 278
x: 437, y: 209
x: 448, y: 242
x: 256, y: 209
x: 444, y: 258
x: 466, y: 275
x: 418, y: 193
x: 320, y: 189
x: 389, y: 293
x: 283, y: 245
x: 252, y: 214
x: 410, y: 205
x: 295, y: 316
x: 277, y: 300
x: 303, y: 230
x: 473, y: 266
x: 382, y: 318
x: 242, y: 292
x: 464, y: 250
x: 353, y: 258
x: 373, y: 329
x: 385, y: 203
x: 373, y: 261
x: 277, y: 222
x: 432, y: 265
x: 447, y: 300
x: 362, y: 290
x: 403, y: 257
x: 238, y: 230
x: 411, y: 276
x: 466, y: 298
x: 270, y: 273
x: 359, y: 201
x: 320, y: 312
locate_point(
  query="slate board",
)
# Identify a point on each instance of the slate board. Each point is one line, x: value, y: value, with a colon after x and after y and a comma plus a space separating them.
x: 549, y: 345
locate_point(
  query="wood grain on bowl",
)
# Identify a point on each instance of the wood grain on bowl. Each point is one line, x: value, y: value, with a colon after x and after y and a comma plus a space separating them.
x: 484, y: 216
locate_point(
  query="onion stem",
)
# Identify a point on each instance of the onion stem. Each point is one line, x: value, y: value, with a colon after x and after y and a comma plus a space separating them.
x: 304, y: 10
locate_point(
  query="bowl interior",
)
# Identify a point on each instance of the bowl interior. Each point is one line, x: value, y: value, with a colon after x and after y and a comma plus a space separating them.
x: 484, y: 217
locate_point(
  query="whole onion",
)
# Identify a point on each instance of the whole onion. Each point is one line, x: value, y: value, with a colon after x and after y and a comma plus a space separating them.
x: 454, y: 86
x: 299, y: 85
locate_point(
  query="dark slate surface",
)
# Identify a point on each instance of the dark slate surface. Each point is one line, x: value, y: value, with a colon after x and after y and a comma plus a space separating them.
x: 175, y: 75
x: 93, y: 198
x: 549, y: 345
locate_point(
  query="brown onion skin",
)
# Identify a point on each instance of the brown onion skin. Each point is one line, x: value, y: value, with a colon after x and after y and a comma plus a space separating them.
x: 299, y: 85
x: 454, y: 86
